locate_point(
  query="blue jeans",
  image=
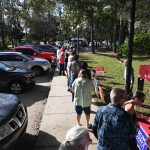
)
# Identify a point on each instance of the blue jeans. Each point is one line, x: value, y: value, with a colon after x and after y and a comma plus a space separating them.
x: 72, y: 78
x: 61, y: 69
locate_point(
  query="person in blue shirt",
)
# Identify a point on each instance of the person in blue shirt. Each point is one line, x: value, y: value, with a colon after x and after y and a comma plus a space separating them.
x: 113, y: 126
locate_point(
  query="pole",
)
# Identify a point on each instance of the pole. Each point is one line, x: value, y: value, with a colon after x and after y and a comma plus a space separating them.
x: 130, y: 46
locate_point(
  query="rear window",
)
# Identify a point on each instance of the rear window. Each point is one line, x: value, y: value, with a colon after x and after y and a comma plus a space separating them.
x: 9, y: 57
x: 26, y: 51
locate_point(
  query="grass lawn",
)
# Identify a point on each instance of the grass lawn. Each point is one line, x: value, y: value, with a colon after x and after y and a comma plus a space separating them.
x: 114, y: 71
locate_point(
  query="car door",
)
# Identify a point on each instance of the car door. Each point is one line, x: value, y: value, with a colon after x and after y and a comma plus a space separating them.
x: 1, y: 78
x: 5, y: 58
x: 19, y: 61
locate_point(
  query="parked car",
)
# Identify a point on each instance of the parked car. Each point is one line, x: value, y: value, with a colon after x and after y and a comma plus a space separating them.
x: 59, y: 43
x: 13, y: 120
x: 15, y: 79
x: 17, y: 59
x: 48, y: 48
x: 31, y: 51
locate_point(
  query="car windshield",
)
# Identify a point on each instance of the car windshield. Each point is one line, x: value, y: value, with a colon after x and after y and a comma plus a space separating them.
x: 37, y: 49
x: 6, y: 67
x: 43, y: 48
x: 49, y: 46
x: 27, y: 57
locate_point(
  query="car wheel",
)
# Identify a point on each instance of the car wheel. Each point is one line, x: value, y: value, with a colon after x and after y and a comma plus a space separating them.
x: 37, y: 71
x: 16, y: 87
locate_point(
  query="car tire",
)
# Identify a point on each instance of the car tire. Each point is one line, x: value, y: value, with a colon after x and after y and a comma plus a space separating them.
x: 37, y: 71
x: 16, y: 87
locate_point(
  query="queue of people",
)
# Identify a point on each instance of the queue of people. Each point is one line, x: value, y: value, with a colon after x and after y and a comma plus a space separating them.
x: 114, y: 125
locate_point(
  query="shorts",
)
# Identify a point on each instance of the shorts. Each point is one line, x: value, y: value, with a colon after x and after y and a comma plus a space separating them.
x: 79, y: 109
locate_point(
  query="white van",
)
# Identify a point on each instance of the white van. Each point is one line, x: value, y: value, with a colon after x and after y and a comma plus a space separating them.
x: 82, y: 41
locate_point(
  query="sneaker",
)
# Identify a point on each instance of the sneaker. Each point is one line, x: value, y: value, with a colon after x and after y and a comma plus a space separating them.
x: 89, y: 126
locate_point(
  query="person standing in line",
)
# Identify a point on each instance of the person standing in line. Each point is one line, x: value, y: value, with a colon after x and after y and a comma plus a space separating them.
x: 61, y: 60
x: 84, y: 65
x: 129, y: 106
x: 77, y: 138
x: 66, y: 60
x: 82, y: 88
x: 113, y: 126
x: 73, y: 70
x: 137, y: 99
x: 68, y: 72
x: 71, y: 58
x: 57, y: 55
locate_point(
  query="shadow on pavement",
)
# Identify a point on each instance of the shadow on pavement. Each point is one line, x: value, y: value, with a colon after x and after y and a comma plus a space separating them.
x: 46, y: 77
x: 47, y: 140
x: 37, y: 93
x: 26, y: 142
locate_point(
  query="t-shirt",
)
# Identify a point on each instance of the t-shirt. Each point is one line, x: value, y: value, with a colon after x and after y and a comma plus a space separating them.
x: 58, y: 53
x: 61, y: 58
x: 82, y: 92
x: 73, y: 67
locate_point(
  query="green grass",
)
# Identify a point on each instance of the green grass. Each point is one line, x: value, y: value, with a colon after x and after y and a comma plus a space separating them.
x: 114, y: 71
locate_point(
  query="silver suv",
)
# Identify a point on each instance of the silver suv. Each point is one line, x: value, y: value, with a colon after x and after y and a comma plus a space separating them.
x: 17, y: 59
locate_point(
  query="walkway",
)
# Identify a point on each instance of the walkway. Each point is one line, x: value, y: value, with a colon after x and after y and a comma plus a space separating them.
x: 59, y: 116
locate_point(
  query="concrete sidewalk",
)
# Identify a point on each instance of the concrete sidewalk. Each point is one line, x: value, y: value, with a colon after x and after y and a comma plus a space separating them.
x: 59, y: 116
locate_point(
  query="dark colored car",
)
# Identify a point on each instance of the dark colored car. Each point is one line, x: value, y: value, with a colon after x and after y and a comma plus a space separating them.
x: 15, y: 79
x: 13, y: 120
x: 33, y: 52
x: 47, y: 48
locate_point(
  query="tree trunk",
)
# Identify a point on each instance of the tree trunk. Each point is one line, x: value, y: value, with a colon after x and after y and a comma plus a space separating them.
x: 3, y: 38
x: 121, y: 32
x: 115, y: 37
x: 92, y: 31
x: 130, y: 46
x: 2, y: 26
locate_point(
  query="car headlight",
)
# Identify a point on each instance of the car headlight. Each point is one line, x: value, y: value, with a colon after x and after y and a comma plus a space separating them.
x: 5, y: 131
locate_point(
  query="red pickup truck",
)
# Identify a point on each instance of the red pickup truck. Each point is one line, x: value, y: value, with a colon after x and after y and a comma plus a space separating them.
x: 34, y: 53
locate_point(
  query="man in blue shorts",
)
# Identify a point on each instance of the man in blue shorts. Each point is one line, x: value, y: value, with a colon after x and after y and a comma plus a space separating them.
x: 82, y: 88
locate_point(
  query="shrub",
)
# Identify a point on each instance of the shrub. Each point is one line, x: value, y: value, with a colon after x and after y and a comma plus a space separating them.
x: 141, y: 44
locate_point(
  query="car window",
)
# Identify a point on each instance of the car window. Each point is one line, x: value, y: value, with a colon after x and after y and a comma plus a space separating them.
x: 16, y: 58
x: 5, y: 58
x: 26, y: 51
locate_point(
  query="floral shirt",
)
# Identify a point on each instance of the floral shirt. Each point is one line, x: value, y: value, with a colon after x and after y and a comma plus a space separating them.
x: 113, y: 127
